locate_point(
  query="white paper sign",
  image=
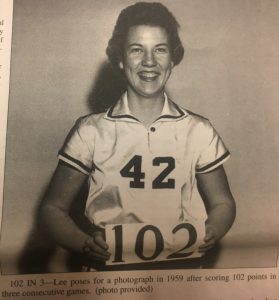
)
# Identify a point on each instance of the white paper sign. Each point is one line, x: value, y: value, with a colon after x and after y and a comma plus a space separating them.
x: 141, y: 242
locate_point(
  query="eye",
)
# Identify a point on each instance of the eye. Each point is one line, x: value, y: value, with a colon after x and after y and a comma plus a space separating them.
x: 161, y: 50
x: 136, y: 50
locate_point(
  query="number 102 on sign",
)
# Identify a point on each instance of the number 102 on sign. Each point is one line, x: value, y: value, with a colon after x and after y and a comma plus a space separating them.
x: 142, y: 242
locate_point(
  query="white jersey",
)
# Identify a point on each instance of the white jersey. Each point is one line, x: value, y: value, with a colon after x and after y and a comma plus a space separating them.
x: 139, y: 174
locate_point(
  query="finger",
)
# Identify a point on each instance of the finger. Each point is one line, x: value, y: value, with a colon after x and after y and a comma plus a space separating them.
x: 96, y: 256
x: 209, y: 236
x: 94, y: 251
x: 92, y: 247
x: 209, y: 243
x: 205, y: 248
x: 100, y: 241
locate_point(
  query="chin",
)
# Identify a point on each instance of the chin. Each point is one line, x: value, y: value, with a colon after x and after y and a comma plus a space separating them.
x: 150, y: 93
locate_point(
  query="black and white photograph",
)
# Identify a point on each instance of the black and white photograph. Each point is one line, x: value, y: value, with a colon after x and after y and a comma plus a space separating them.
x: 141, y: 135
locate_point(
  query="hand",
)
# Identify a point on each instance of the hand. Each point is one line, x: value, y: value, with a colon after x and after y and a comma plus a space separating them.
x: 96, y: 248
x: 209, y: 240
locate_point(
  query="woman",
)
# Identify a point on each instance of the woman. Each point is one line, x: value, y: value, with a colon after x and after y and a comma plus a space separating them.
x: 146, y: 159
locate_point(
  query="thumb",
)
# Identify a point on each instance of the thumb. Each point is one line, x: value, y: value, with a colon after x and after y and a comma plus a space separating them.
x: 209, y: 235
x: 100, y: 239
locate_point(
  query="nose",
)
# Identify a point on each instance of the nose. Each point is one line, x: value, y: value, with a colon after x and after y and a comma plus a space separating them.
x: 149, y: 59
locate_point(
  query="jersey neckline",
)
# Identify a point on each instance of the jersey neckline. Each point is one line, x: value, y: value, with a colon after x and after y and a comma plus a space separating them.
x: 120, y: 111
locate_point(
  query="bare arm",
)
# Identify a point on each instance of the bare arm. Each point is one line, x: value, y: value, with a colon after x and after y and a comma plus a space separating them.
x: 219, y: 203
x: 54, y: 213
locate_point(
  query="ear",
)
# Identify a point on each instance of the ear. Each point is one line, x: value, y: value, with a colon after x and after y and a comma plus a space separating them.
x: 121, y: 66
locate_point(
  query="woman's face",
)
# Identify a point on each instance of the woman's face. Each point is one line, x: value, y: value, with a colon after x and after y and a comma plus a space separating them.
x: 147, y: 60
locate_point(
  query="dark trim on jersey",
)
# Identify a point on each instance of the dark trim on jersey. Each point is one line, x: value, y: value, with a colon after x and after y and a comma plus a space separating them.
x: 181, y: 112
x: 119, y: 116
x: 64, y: 163
x: 85, y: 168
x: 168, y: 117
x: 194, y: 114
x: 213, y: 163
x: 178, y: 108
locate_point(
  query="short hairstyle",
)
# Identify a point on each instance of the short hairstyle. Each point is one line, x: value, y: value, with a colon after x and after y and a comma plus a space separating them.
x: 143, y: 13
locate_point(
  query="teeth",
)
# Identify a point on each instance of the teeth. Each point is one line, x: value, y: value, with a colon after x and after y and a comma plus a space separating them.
x: 148, y: 74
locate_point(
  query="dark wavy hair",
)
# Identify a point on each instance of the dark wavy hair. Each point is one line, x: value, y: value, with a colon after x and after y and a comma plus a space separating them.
x: 143, y: 13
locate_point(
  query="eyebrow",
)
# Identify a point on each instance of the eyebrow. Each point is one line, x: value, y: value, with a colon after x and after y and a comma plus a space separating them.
x: 134, y: 44
x: 162, y: 44
x: 140, y: 45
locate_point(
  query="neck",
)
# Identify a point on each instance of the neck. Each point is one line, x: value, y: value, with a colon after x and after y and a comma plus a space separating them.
x: 146, y: 110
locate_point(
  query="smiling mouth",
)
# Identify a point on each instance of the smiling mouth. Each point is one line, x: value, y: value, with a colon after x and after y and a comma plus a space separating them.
x: 148, y: 76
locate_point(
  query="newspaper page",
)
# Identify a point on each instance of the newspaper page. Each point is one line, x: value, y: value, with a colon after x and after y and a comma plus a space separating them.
x: 54, y: 69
